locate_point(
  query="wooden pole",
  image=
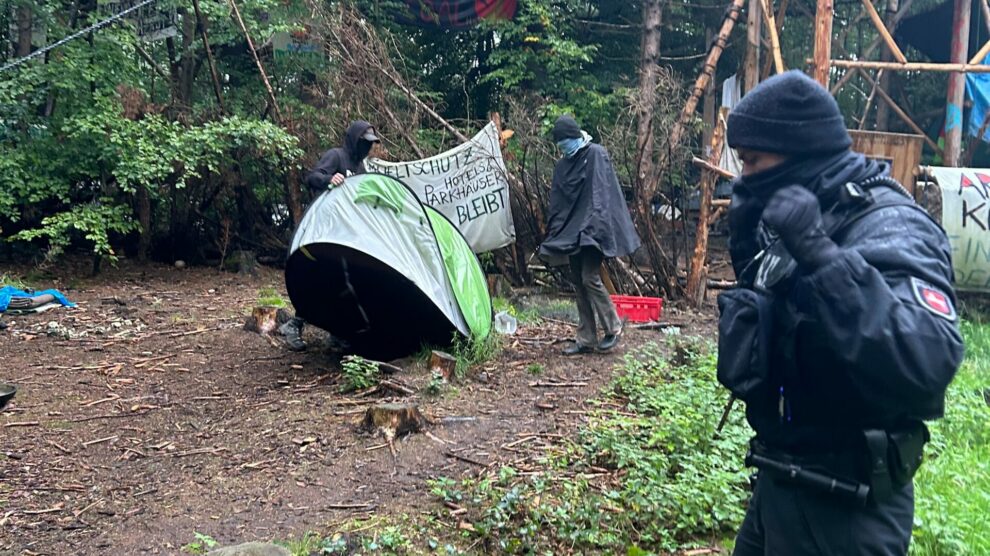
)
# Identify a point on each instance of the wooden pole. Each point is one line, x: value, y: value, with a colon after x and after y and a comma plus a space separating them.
x: 884, y: 34
x: 751, y: 68
x: 901, y: 113
x: 885, y: 81
x: 209, y: 55
x: 978, y: 58
x: 911, y: 66
x: 731, y: 16
x: 257, y: 61
x: 957, y: 83
x: 901, y: 12
x: 823, y: 41
x: 779, y: 22
x: 778, y: 59
x: 697, y: 274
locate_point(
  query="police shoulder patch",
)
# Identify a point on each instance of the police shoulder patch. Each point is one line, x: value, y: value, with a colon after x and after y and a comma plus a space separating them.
x: 933, y: 299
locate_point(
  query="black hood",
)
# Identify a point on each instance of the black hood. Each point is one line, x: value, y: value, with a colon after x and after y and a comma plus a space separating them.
x: 357, y: 151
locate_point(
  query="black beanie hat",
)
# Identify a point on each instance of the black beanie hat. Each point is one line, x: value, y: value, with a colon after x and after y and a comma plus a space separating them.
x: 789, y: 113
x: 565, y: 128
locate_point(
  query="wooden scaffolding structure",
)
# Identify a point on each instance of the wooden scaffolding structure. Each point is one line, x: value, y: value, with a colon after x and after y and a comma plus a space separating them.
x: 894, y: 60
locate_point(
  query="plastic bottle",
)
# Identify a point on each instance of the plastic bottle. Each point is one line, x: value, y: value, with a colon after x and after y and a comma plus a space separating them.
x: 505, y: 323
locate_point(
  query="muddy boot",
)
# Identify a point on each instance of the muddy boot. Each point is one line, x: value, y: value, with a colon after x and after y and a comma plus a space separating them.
x: 292, y: 331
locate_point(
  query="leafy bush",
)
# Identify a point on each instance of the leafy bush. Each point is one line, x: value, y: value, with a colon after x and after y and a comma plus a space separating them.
x: 952, y: 489
x: 672, y: 480
x: 472, y: 351
x: 359, y: 373
x: 202, y: 544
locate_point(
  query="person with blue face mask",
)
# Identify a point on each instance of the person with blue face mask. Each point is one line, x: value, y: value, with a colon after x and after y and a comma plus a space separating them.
x: 588, y: 221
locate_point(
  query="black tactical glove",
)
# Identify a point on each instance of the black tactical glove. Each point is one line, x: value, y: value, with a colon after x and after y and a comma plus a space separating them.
x: 744, y: 217
x: 795, y: 215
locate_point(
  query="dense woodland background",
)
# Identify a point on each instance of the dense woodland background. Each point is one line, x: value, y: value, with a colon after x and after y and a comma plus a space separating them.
x: 136, y: 148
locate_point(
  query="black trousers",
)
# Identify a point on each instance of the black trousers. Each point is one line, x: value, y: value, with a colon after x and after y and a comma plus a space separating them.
x: 789, y: 520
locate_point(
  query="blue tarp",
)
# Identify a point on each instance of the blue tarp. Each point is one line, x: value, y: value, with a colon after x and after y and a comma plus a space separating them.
x: 978, y: 90
x: 8, y: 292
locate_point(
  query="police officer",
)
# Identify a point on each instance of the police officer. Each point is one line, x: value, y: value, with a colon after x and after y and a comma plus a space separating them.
x: 842, y: 335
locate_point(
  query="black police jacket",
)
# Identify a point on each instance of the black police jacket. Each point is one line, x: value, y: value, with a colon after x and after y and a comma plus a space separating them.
x: 870, y: 340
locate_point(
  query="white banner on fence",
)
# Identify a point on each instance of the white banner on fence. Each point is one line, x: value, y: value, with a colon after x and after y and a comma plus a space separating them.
x: 468, y: 184
x: 966, y: 219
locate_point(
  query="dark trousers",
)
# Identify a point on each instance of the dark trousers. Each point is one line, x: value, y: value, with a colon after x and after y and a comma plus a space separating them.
x: 789, y: 520
x: 592, y: 298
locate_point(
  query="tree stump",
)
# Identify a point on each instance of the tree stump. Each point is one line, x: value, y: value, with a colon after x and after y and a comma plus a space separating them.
x: 443, y: 363
x: 393, y: 419
x: 265, y: 320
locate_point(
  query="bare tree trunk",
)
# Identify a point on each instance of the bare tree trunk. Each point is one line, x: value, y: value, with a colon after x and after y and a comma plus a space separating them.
x: 25, y: 26
x: 647, y: 177
x: 144, y: 219
x: 698, y: 272
x: 647, y: 93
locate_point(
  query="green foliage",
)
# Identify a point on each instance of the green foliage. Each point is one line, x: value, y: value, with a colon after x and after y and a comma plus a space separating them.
x: 359, y: 373
x: 93, y: 222
x: 535, y: 369
x: 679, y: 482
x: 437, y: 384
x: 313, y: 544
x: 952, y: 488
x: 202, y: 544
x: 269, y: 297
x: 523, y: 316
x: 12, y: 280
x: 472, y: 351
x: 390, y: 540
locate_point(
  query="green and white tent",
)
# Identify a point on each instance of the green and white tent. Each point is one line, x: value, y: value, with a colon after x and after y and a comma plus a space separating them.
x: 375, y: 267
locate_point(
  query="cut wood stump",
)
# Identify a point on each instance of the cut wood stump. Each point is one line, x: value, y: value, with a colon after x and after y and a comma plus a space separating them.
x: 443, y: 363
x: 265, y: 320
x: 393, y: 419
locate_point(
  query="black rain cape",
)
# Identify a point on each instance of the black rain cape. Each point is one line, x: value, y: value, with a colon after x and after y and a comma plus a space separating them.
x: 587, y: 208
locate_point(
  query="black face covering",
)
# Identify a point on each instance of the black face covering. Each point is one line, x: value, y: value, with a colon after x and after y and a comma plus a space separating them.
x: 824, y: 175
x: 363, y: 148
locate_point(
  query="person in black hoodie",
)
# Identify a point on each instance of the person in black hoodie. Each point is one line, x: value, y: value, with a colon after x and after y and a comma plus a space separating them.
x: 337, y: 164
x: 842, y: 336
x: 588, y: 221
x: 333, y: 168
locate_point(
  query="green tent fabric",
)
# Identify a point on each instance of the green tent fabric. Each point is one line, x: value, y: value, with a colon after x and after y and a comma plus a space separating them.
x: 465, y: 275
x: 376, y: 268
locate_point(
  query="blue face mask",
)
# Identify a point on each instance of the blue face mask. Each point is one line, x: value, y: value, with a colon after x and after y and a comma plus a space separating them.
x: 571, y: 146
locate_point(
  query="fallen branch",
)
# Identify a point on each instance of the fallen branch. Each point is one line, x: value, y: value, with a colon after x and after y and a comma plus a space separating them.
x: 22, y: 424
x: 100, y: 440
x: 211, y: 451
x: 466, y: 460
x: 350, y: 506
x: 540, y: 384
x: 396, y: 387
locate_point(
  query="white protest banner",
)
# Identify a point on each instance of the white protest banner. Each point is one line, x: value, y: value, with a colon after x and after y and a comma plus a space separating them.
x: 468, y: 184
x: 966, y: 219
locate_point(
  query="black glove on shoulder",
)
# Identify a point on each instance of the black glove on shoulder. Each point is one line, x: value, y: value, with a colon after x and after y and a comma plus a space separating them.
x: 796, y: 216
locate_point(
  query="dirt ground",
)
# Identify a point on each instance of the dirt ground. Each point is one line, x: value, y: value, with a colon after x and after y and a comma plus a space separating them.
x: 147, y: 414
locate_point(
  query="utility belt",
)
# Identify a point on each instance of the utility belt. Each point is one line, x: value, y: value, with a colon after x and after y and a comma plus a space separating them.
x: 886, y: 463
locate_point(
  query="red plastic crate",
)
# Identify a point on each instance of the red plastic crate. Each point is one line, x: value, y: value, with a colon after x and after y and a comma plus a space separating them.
x: 638, y: 309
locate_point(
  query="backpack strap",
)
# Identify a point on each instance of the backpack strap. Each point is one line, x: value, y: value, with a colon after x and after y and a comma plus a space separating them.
x: 862, y: 196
